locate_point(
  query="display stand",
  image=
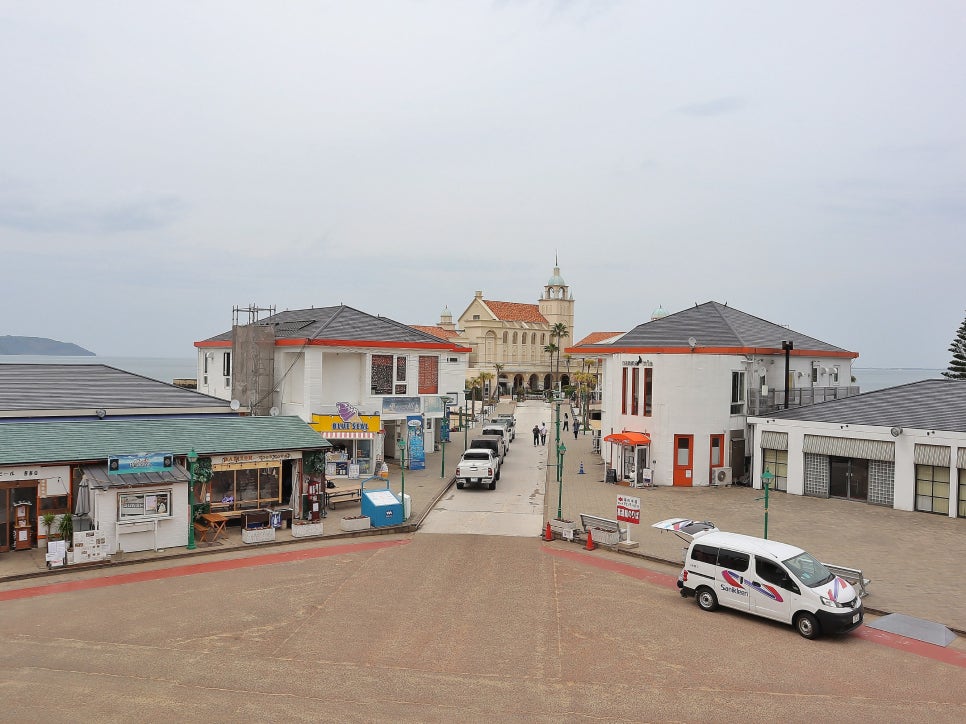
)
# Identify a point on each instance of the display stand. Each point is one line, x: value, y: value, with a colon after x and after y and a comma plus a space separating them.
x: 22, y: 527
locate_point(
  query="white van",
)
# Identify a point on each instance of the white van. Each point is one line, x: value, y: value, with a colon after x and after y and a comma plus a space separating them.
x: 770, y: 579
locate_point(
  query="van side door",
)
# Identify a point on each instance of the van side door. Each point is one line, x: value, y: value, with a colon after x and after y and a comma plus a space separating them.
x: 774, y: 593
x: 730, y: 578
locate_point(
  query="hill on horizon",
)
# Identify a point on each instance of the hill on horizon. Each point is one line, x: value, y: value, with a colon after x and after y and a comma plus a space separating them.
x: 41, y: 345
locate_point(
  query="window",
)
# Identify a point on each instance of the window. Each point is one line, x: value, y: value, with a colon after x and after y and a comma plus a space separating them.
x: 428, y: 375
x: 381, y: 374
x: 962, y: 494
x: 252, y: 487
x: 476, y: 317
x: 514, y: 338
x: 733, y: 560
x: 835, y: 375
x: 705, y: 554
x: 543, y: 340
x: 773, y: 573
x: 737, y: 393
x: 533, y: 338
x: 144, y: 505
x: 56, y: 504
x: 506, y: 337
x: 776, y: 462
x: 808, y: 570
x: 814, y: 374
x: 226, y: 364
x: 648, y: 388
x: 932, y: 489
x: 204, y: 358
x: 624, y: 392
x: 635, y: 379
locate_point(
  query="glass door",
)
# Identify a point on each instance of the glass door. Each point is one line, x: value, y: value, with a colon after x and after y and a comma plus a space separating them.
x: 848, y: 478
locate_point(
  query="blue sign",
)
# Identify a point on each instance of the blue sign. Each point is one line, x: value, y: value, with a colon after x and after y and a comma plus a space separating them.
x: 140, y: 463
x: 414, y: 435
x: 444, y: 428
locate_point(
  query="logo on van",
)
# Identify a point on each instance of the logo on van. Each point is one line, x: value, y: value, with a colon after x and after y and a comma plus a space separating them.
x: 839, y: 586
x: 762, y: 588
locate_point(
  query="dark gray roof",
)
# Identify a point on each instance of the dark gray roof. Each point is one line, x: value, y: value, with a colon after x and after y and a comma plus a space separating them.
x: 92, y: 386
x: 341, y: 322
x: 925, y: 405
x: 716, y: 325
x: 80, y: 441
x: 98, y: 477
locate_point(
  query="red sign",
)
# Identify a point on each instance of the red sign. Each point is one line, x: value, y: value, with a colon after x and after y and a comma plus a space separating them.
x: 628, y: 509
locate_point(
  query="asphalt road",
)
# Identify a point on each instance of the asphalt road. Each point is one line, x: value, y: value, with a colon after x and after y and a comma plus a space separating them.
x: 430, y: 628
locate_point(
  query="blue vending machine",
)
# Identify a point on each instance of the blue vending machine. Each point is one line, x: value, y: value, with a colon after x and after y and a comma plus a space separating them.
x: 382, y: 507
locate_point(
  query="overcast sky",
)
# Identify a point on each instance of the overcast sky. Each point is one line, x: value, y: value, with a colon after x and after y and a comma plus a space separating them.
x: 162, y: 162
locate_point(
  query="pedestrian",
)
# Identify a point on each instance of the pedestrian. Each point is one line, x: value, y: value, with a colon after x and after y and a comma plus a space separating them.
x: 566, y: 421
x: 543, y: 433
x: 576, y: 428
x: 536, y: 435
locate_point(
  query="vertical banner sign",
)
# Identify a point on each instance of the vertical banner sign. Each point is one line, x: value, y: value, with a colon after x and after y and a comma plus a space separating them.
x: 417, y: 453
x: 444, y: 426
x: 628, y: 509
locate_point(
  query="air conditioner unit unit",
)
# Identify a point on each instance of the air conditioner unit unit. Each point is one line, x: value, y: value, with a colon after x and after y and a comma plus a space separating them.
x: 721, y: 476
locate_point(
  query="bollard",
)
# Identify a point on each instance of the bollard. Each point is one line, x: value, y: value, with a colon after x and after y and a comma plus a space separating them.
x: 581, y: 471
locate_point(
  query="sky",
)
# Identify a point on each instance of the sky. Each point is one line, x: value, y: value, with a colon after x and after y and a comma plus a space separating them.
x: 163, y: 163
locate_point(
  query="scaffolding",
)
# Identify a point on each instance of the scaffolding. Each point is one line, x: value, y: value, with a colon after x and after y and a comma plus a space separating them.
x: 253, y: 345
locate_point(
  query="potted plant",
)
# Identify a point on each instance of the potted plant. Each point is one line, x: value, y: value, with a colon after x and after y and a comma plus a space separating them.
x: 355, y: 522
x: 66, y: 529
x: 47, y: 520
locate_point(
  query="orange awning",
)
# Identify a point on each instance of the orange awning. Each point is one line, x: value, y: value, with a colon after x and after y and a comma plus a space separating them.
x: 629, y: 438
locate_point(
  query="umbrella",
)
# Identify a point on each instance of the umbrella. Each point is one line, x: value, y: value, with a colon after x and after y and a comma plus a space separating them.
x: 82, y: 504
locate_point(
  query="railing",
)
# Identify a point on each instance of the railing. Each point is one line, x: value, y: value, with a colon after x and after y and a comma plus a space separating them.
x: 759, y: 404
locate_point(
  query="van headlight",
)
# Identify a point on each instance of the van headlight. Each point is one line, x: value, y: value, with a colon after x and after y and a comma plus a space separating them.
x: 832, y: 604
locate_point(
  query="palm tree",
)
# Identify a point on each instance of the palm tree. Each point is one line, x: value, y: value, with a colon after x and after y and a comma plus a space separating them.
x: 485, y: 377
x: 550, y: 349
x: 473, y: 384
x: 558, y: 332
x: 499, y: 371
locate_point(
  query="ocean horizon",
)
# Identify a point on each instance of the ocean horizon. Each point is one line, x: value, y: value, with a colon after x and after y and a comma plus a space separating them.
x: 168, y: 369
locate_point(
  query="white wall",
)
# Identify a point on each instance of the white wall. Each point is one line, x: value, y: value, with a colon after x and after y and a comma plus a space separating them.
x: 172, y: 530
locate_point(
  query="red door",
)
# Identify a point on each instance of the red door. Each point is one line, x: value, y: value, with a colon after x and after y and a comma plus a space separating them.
x: 683, y: 459
x: 716, y: 457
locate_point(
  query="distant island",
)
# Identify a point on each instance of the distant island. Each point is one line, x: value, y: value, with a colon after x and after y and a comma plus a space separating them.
x: 41, y: 346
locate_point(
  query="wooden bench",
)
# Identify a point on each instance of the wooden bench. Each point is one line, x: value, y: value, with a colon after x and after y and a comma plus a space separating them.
x: 606, y: 530
x: 343, y: 493
x: 852, y: 575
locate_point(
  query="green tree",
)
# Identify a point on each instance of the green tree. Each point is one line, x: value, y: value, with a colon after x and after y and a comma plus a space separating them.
x: 550, y: 349
x: 558, y: 332
x: 485, y: 377
x: 499, y: 371
x: 957, y: 366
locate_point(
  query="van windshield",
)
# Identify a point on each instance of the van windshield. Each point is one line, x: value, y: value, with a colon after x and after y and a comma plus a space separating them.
x: 809, y: 570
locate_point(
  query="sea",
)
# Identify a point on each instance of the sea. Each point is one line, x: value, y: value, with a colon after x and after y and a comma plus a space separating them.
x: 168, y: 369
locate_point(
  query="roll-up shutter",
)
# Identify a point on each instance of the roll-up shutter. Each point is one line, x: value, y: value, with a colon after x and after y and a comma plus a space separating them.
x: 938, y: 455
x: 848, y: 447
x: 772, y: 440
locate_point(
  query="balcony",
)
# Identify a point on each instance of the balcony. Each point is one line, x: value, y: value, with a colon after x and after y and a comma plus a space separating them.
x: 774, y: 401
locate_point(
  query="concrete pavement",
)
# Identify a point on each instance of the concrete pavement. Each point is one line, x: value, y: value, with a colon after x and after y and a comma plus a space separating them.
x: 912, y: 559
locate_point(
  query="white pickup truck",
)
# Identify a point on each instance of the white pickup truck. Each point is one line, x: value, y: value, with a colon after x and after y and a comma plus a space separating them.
x: 478, y: 466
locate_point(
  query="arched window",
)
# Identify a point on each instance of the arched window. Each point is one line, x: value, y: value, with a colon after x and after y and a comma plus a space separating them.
x: 533, y: 338
x: 514, y: 338
x: 543, y: 340
x: 506, y: 337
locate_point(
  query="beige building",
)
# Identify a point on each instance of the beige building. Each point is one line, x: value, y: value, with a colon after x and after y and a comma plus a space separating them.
x: 508, y: 339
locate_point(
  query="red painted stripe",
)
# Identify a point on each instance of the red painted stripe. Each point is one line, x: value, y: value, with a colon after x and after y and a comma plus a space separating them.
x: 194, y: 569
x: 884, y: 638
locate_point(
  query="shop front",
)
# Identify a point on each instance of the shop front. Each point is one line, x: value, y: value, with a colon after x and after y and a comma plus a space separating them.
x: 26, y: 494
x: 356, y: 443
x: 633, y: 458
x: 249, y: 481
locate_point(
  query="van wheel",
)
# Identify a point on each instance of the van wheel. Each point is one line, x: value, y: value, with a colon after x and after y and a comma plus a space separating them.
x: 706, y: 599
x: 807, y: 625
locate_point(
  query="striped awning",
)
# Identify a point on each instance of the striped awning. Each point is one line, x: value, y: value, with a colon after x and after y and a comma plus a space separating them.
x: 850, y: 447
x: 772, y: 440
x: 347, y: 435
x: 938, y: 455
x: 961, y: 458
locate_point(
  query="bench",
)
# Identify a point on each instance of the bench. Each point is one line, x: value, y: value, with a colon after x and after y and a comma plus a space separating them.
x: 343, y: 493
x: 852, y: 575
x: 606, y: 531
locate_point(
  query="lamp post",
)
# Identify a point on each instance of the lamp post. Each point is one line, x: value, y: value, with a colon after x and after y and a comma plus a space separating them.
x: 766, y: 478
x: 561, y: 449
x: 192, y: 459
x: 444, y: 435
x: 402, y: 472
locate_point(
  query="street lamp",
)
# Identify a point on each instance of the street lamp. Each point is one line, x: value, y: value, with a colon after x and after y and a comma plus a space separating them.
x: 402, y: 472
x: 766, y: 478
x: 561, y: 449
x: 192, y: 459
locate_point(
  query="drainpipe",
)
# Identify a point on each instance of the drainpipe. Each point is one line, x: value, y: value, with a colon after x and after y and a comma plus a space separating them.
x: 788, y: 346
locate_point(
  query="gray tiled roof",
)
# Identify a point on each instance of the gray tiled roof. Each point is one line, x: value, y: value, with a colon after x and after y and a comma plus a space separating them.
x: 63, y: 442
x: 925, y: 405
x: 339, y: 322
x: 92, y: 386
x: 716, y: 325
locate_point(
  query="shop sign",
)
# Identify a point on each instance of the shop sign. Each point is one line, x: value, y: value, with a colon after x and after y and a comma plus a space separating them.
x: 337, y: 423
x: 628, y: 509
x: 254, y: 457
x: 19, y: 473
x: 401, y: 406
x: 140, y: 463
x: 638, y: 363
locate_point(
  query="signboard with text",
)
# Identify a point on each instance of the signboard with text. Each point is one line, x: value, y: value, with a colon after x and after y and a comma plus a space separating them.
x: 628, y: 509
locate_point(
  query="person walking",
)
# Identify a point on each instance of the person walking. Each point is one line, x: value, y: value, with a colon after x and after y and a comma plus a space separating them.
x: 566, y: 421
x: 576, y: 428
x: 543, y: 433
x: 536, y: 435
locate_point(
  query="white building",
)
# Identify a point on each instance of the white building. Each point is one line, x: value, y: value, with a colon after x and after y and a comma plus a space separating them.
x: 676, y: 391
x: 903, y: 447
x: 358, y: 379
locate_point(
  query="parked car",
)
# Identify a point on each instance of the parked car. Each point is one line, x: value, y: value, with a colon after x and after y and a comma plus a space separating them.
x: 478, y: 466
x: 497, y: 429
x: 490, y: 442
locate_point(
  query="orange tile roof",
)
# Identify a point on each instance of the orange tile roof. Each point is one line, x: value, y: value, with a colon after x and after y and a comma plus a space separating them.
x: 516, y: 312
x: 436, y: 331
x: 595, y: 337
